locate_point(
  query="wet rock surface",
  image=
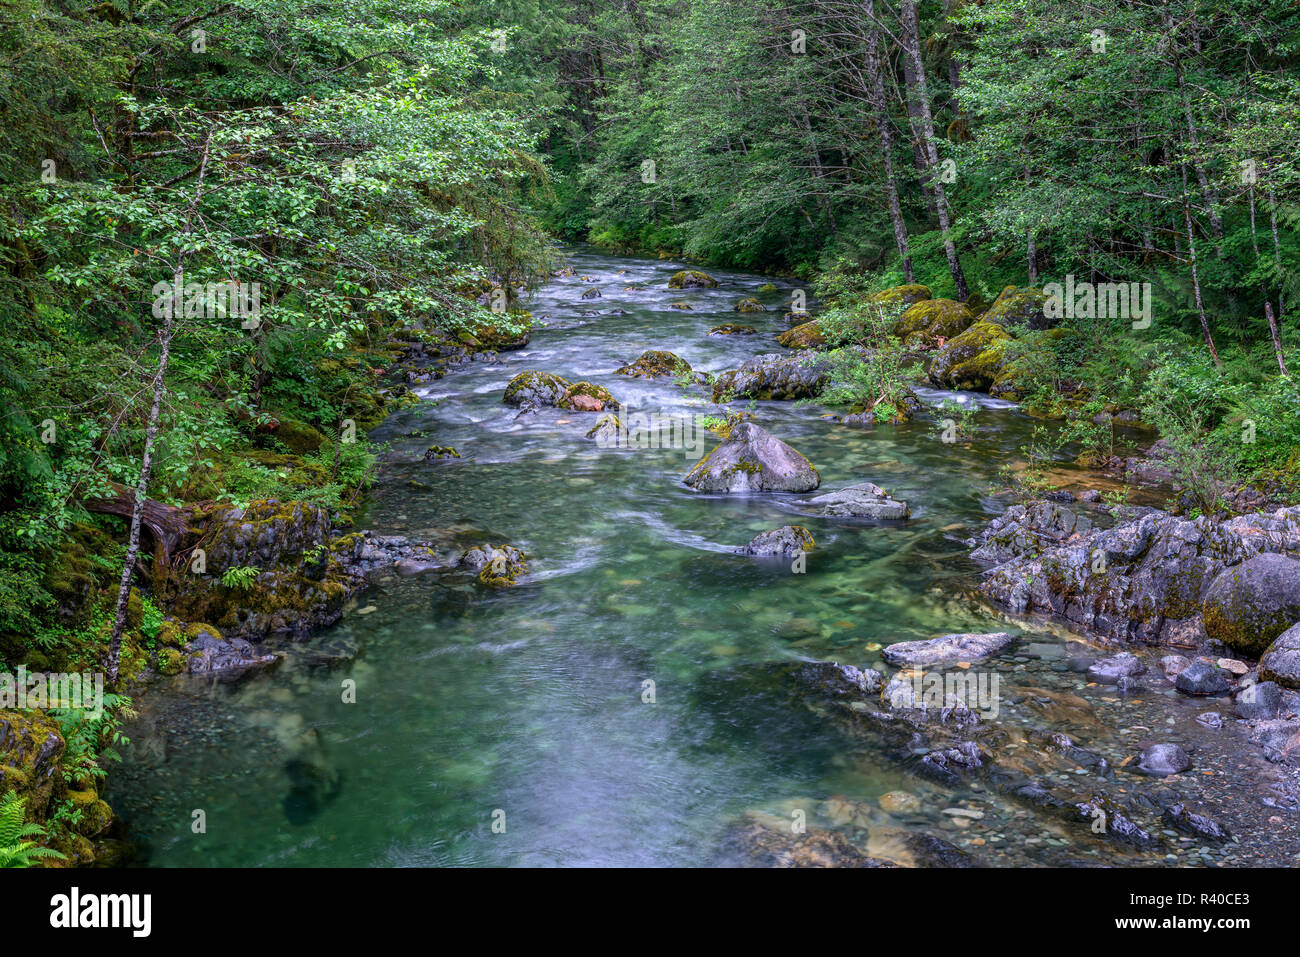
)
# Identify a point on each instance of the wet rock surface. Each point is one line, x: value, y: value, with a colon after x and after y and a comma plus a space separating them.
x: 787, y: 541
x: 864, y: 500
x: 947, y: 648
x: 752, y: 459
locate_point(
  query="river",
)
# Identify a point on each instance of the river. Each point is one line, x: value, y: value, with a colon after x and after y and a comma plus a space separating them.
x: 515, y: 727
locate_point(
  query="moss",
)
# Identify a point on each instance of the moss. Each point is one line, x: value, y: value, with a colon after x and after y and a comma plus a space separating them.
x: 767, y: 287
x: 589, y: 390
x: 1017, y: 306
x: 932, y: 319
x: 682, y: 306
x: 170, y: 661
x: 732, y: 329
x: 972, y: 360
x: 298, y: 437
x: 134, y: 609
x: 543, y: 388
x: 655, y: 364
x: 905, y: 295
x: 691, y: 278
x: 749, y: 305
x: 809, y: 335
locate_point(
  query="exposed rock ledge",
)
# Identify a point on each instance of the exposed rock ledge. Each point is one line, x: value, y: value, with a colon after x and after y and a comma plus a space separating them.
x: 1147, y: 578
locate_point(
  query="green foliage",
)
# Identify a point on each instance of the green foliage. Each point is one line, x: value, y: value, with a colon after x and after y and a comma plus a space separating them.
x: 16, y: 847
x: 241, y: 577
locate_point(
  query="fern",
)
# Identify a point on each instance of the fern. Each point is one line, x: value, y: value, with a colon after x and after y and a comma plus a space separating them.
x: 15, y: 848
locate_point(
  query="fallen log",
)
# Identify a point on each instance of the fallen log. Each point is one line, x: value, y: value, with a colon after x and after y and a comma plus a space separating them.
x: 166, y: 523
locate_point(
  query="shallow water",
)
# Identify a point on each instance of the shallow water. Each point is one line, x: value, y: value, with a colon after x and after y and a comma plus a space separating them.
x: 530, y: 701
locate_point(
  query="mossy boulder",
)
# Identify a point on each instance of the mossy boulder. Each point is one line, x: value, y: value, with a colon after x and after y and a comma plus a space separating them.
x: 767, y: 287
x: 71, y: 578
x: 491, y: 337
x: 773, y: 376
x: 170, y: 661
x: 681, y: 306
x: 93, y: 814
x: 732, y: 329
x: 297, y: 436
x: 655, y: 364
x: 692, y: 279
x: 1018, y: 306
x: 749, y: 305
x: 1281, y: 662
x: 808, y: 335
x: 586, y: 397
x: 905, y: 295
x: 536, y: 388
x: 972, y: 360
x: 932, y: 319
x: 497, y: 566
x: 608, y: 431
x: 31, y: 747
x: 1251, y: 604
x: 752, y: 459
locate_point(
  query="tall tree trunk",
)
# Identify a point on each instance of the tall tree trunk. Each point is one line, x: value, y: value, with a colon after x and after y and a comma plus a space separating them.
x: 1277, y: 336
x: 1196, y: 279
x: 921, y: 92
x: 879, y: 104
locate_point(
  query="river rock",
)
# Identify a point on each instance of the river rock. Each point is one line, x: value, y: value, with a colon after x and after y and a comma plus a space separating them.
x: 591, y: 294
x: 1158, y: 567
x: 655, y: 364
x: 749, y: 305
x: 1256, y: 701
x: 1252, y: 603
x: 1109, y: 671
x: 1164, y: 759
x: 900, y: 802
x: 608, y: 432
x: 751, y: 459
x: 1281, y: 662
x: 774, y: 376
x: 863, y: 501
x: 788, y: 540
x: 497, y: 565
x: 732, y: 329
x: 691, y: 279
x: 1203, y: 678
x: 538, y: 388
x: 947, y: 649
x: 210, y: 652
x: 1173, y: 664
x: 1200, y: 826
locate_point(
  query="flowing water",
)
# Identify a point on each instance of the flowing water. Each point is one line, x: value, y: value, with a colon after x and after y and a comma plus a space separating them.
x: 529, y: 706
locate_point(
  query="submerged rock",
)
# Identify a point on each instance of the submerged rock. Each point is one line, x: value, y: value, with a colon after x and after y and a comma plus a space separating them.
x: 1164, y: 759
x: 947, y: 649
x: 1198, y: 825
x: 1110, y: 670
x: 864, y: 500
x: 788, y: 540
x: 772, y: 842
x: 1254, y: 602
x: 749, y: 305
x: 751, y: 459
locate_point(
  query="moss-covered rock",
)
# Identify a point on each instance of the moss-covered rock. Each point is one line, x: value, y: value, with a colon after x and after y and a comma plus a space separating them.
x: 773, y: 376
x: 749, y: 305
x: 933, y: 319
x: 92, y: 815
x: 655, y: 364
x: 905, y: 295
x: 808, y: 335
x: 31, y: 746
x: 586, y: 397
x: 692, y: 279
x: 751, y: 459
x: 1251, y: 604
x: 972, y: 360
x: 297, y: 436
x: 681, y: 306
x: 732, y: 329
x: 894, y: 411
x: 1018, y: 306
x: 170, y: 661
x: 497, y: 566
x: 538, y: 388
x: 69, y: 575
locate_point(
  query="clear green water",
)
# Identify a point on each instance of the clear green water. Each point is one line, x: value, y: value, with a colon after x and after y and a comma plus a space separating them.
x: 530, y: 700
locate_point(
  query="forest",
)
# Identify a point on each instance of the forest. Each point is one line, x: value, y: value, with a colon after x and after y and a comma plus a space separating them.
x: 226, y: 225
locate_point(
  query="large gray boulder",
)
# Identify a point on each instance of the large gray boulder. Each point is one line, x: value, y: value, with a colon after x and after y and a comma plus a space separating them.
x: 774, y: 376
x: 1250, y: 604
x: 947, y: 649
x: 1281, y: 662
x: 752, y: 459
x: 861, y: 501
